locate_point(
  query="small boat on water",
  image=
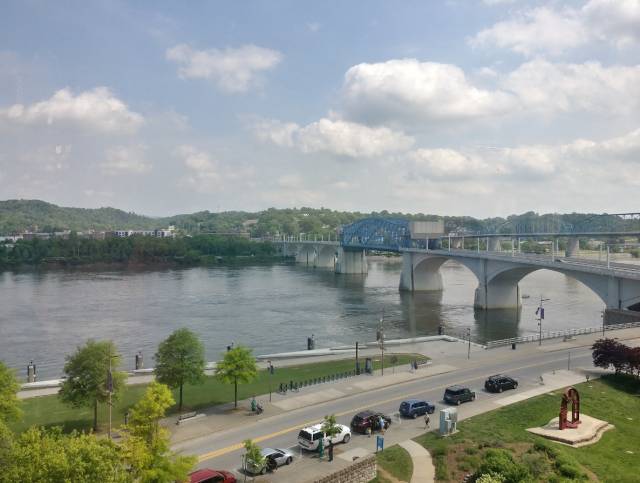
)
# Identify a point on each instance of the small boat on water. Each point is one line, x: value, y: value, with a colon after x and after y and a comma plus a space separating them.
x: 525, y: 296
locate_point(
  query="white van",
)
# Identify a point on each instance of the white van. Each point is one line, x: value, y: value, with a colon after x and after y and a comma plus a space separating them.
x: 309, y: 438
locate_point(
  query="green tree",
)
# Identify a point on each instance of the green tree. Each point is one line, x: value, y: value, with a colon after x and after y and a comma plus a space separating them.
x: 49, y: 455
x: 87, y: 374
x: 9, y: 387
x: 237, y: 366
x: 254, y: 461
x: 146, y: 445
x: 330, y: 426
x: 180, y: 360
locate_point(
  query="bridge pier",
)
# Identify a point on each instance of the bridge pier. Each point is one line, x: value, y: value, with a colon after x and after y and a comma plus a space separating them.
x: 573, y: 247
x: 306, y: 255
x: 325, y: 257
x: 425, y: 279
x: 351, y: 261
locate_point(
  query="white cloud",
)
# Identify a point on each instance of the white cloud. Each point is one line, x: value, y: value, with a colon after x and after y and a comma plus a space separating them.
x: 444, y: 163
x: 126, y: 160
x: 522, y: 164
x: 233, y: 69
x: 338, y: 137
x: 616, y: 21
x: 410, y: 90
x: 203, y: 172
x: 97, y: 108
x: 552, y: 87
x: 276, y: 132
x: 554, y: 31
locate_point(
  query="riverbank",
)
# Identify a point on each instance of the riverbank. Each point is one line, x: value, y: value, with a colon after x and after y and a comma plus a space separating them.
x: 49, y: 410
x: 158, y: 264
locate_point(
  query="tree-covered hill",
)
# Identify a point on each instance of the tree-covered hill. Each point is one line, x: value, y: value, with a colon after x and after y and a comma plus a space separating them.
x: 35, y: 215
x: 21, y: 215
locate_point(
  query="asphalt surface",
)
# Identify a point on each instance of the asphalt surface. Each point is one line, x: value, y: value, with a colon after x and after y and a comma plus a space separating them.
x: 223, y: 450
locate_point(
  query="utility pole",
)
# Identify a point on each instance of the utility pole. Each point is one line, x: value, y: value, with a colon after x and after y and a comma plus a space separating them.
x: 110, y: 389
x: 381, y: 340
x: 540, y: 314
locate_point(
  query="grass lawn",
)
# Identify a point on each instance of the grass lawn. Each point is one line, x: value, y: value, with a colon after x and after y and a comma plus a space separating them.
x: 49, y: 411
x: 612, y: 459
x: 395, y: 461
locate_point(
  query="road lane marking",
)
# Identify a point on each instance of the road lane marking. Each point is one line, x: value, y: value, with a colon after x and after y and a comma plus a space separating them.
x: 237, y: 446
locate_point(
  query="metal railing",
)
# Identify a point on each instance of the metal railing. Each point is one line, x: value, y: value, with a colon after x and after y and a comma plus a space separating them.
x: 560, y: 333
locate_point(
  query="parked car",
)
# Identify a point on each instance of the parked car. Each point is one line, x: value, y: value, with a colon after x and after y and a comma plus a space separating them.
x: 369, y: 419
x: 273, y: 457
x: 499, y: 383
x: 309, y: 438
x: 458, y: 395
x: 207, y: 475
x: 412, y: 408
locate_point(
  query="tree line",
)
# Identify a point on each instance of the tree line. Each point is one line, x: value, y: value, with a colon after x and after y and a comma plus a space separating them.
x: 93, y: 377
x: 76, y: 250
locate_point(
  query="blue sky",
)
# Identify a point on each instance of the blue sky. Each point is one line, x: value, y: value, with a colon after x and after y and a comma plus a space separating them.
x: 477, y: 107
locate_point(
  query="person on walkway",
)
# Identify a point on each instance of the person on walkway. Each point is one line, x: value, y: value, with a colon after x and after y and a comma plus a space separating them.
x: 368, y: 431
x: 426, y: 420
x: 381, y: 422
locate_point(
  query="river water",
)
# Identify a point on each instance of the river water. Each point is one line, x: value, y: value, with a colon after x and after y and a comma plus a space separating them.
x: 44, y: 315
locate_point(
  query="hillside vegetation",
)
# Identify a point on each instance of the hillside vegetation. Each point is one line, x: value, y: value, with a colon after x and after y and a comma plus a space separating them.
x: 22, y: 215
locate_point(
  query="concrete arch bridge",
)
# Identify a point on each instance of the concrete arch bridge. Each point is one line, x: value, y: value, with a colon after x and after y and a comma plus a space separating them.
x: 497, y: 272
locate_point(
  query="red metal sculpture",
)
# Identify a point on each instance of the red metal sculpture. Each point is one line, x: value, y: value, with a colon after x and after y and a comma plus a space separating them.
x: 572, y: 395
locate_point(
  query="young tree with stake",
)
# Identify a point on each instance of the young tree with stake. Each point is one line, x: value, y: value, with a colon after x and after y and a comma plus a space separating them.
x: 238, y: 366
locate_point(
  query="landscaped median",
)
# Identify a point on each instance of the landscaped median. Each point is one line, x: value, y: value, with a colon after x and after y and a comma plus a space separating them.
x: 498, y: 442
x: 50, y: 411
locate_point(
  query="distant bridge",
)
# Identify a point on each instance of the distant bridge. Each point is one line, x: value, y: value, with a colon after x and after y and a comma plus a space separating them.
x: 498, y: 272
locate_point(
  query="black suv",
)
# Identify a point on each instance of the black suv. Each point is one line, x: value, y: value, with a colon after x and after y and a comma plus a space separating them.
x: 458, y: 395
x: 499, y: 383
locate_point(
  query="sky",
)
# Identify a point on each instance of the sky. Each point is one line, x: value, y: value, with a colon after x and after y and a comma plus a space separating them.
x: 459, y: 107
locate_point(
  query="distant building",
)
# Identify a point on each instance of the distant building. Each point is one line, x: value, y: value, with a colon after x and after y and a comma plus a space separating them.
x: 158, y: 233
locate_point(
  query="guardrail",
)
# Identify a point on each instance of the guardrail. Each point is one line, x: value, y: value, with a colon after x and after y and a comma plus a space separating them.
x: 559, y: 333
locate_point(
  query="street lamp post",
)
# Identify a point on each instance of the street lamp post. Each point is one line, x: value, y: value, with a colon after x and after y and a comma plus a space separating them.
x: 270, y: 369
x: 381, y: 340
x: 469, y: 347
x: 540, y: 314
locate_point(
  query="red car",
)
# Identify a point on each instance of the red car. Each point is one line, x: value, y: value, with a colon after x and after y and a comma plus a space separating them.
x: 206, y: 475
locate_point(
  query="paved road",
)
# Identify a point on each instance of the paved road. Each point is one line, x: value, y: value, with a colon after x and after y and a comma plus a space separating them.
x: 223, y: 449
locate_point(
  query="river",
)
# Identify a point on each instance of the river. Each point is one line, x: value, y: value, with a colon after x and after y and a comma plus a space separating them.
x: 271, y: 308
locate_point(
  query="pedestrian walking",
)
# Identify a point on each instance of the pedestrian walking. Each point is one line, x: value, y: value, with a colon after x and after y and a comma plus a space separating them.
x: 426, y: 420
x: 381, y: 422
x: 369, y: 432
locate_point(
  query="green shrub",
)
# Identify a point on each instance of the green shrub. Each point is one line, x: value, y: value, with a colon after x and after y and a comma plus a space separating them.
x: 501, y: 462
x: 471, y: 450
x: 442, y: 472
x: 567, y: 466
x: 537, y: 463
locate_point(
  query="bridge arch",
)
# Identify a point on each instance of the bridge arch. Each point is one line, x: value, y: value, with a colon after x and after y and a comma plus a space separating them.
x: 325, y: 256
x: 498, y: 280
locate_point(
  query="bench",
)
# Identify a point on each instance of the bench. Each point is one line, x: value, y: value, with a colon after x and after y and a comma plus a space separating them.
x: 184, y: 417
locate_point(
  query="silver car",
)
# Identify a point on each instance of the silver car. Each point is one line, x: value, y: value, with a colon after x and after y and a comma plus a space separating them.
x: 273, y: 457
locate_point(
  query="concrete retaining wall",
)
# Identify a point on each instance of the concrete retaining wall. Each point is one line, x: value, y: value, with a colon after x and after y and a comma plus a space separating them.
x: 614, y: 316
x: 362, y: 471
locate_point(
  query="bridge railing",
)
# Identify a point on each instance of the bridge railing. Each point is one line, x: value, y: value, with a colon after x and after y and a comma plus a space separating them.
x: 559, y: 333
